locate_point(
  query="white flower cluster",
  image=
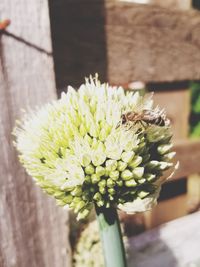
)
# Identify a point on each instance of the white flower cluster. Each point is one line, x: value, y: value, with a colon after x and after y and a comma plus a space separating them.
x: 77, y: 150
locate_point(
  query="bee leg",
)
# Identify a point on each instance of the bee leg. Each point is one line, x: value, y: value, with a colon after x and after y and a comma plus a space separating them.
x: 119, y: 124
x: 142, y: 123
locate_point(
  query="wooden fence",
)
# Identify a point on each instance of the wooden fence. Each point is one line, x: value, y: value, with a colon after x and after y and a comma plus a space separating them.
x: 33, y: 231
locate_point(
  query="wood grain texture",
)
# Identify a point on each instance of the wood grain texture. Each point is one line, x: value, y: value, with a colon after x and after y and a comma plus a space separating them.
x: 174, y: 244
x: 175, y: 4
x: 177, y: 106
x: 188, y: 155
x: 124, y: 42
x: 167, y: 211
x: 33, y: 231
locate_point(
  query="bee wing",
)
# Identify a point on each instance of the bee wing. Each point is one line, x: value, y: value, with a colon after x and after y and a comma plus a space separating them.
x: 144, y: 103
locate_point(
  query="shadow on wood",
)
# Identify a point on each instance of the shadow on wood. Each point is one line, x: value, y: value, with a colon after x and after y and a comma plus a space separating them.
x: 79, y: 42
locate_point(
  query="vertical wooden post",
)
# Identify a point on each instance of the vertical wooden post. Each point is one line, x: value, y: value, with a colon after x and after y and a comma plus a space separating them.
x: 176, y: 102
x: 33, y: 231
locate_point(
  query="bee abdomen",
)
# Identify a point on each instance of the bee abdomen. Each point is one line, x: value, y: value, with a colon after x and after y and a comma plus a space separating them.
x: 157, y: 121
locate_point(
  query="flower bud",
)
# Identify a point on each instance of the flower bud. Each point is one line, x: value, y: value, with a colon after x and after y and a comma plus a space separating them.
x: 82, y: 130
x: 110, y: 183
x: 95, y: 178
x: 143, y: 194
x: 89, y: 169
x: 127, y: 156
x: 85, y: 160
x: 100, y: 170
x: 111, y: 191
x: 130, y: 183
x: 83, y: 214
x: 169, y: 156
x: 163, y: 149
x: 121, y: 166
x: 77, y: 192
x: 135, y: 162
x: 114, y: 175
x: 150, y: 177
x: 111, y: 165
x: 79, y: 206
x: 126, y: 175
x: 138, y: 172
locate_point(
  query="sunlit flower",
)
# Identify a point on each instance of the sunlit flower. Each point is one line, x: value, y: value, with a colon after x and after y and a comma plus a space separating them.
x: 78, y: 150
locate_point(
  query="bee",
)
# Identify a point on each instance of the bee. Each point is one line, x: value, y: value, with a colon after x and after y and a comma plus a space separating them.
x: 150, y: 117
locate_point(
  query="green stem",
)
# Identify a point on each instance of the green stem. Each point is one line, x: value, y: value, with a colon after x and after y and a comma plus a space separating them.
x: 111, y: 237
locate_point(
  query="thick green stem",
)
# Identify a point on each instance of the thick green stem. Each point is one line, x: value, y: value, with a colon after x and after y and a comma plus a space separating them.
x: 111, y: 237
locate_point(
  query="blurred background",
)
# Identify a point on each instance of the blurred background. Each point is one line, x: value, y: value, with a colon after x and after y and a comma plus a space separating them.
x: 144, y: 45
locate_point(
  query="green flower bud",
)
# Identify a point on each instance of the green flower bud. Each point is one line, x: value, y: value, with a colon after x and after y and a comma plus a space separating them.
x: 76, y: 200
x: 89, y: 169
x: 88, y: 179
x: 169, y: 156
x: 100, y: 170
x: 126, y: 175
x: 68, y: 199
x: 135, y: 162
x: 83, y: 214
x: 114, y: 175
x: 103, y: 134
x: 138, y: 172
x: 153, y: 164
x: 141, y: 181
x: 163, y: 149
x: 143, y: 194
x: 111, y: 191
x: 88, y: 139
x: 164, y: 165
x: 98, y: 197
x: 79, y: 206
x: 119, y: 183
x: 145, y: 158
x: 111, y: 165
x: 61, y: 202
x: 95, y: 178
x: 102, y: 190
x: 110, y: 183
x: 82, y: 130
x: 85, y: 160
x: 130, y: 183
x: 111, y: 197
x: 127, y: 156
x: 77, y: 192
x: 102, y: 186
x: 121, y: 166
x: 98, y: 157
x: 59, y: 194
x: 100, y: 203
x: 94, y: 143
x: 150, y: 177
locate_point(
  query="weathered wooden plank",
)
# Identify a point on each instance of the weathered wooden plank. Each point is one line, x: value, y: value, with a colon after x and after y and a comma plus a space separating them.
x: 174, y: 244
x: 177, y: 106
x: 33, y: 231
x: 193, y: 192
x: 188, y: 155
x: 124, y: 42
x: 178, y: 4
x: 166, y: 211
